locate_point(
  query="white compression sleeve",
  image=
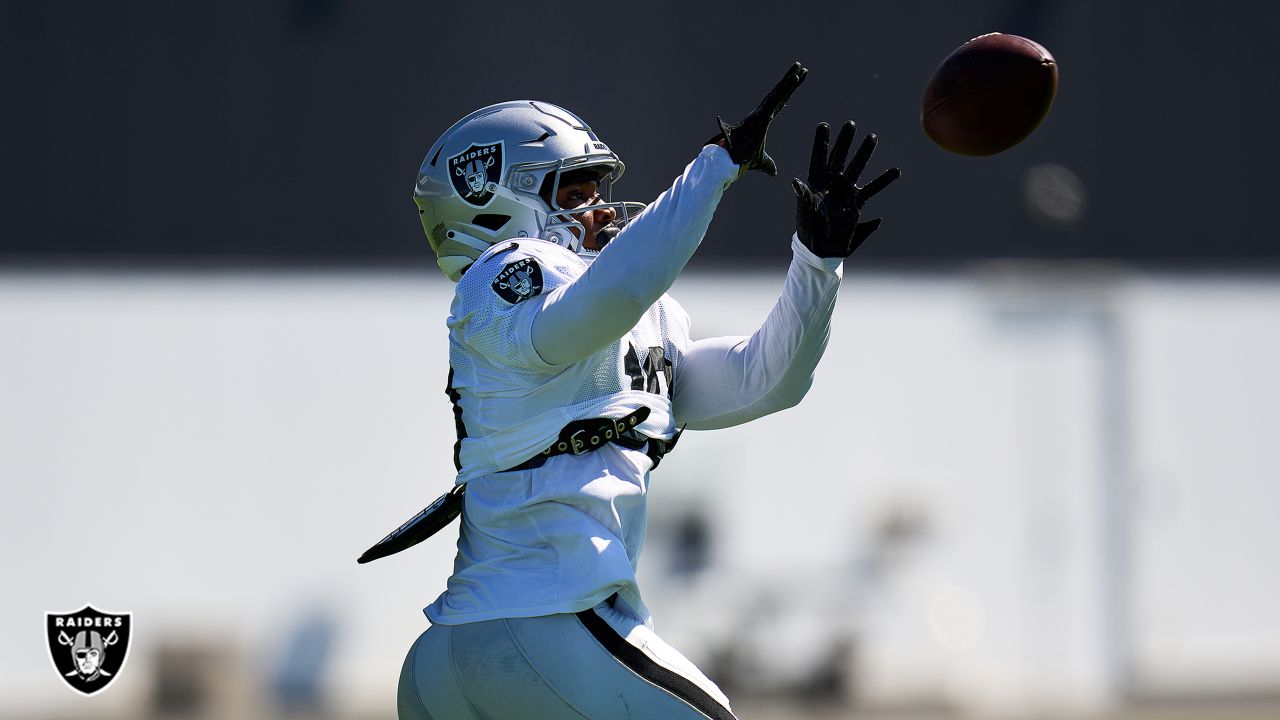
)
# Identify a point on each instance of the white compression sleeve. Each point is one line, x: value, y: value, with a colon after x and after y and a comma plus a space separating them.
x: 728, y: 381
x: 636, y: 268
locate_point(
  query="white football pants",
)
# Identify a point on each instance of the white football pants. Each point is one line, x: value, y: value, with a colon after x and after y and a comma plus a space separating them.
x: 601, y: 664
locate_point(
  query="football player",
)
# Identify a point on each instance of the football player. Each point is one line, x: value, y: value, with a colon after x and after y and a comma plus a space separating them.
x: 571, y: 374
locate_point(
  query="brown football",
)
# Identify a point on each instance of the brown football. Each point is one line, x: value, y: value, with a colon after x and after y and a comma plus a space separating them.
x: 989, y: 94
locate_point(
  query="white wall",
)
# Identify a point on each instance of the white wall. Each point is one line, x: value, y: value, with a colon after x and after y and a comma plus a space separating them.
x: 212, y: 450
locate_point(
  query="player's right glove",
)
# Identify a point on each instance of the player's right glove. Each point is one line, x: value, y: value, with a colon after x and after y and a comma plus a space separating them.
x: 829, y: 206
x: 745, y: 140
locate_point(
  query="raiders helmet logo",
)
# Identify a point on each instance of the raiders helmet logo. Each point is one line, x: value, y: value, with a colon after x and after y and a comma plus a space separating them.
x: 519, y: 280
x: 88, y: 647
x: 476, y: 172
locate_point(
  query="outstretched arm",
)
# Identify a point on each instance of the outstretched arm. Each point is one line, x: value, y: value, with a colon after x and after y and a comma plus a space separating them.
x: 726, y: 381
x: 636, y: 267
x: 642, y: 262
x: 729, y: 381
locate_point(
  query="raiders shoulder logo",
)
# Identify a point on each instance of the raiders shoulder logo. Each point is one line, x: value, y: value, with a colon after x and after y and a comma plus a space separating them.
x: 88, y: 647
x: 476, y: 171
x: 519, y: 280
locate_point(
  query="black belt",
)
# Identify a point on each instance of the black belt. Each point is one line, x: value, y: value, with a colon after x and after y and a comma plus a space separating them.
x: 582, y: 436
x: 578, y: 437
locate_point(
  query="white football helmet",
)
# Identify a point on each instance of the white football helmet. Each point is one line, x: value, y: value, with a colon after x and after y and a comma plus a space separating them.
x: 484, y: 180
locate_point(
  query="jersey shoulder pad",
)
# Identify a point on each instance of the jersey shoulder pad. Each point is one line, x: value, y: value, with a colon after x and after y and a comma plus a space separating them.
x: 515, y: 270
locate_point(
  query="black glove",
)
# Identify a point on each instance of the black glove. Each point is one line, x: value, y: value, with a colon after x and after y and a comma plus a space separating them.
x: 745, y: 140
x: 829, y: 206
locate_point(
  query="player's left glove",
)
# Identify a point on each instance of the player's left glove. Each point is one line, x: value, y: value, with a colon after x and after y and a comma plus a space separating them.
x: 829, y: 206
x: 745, y: 140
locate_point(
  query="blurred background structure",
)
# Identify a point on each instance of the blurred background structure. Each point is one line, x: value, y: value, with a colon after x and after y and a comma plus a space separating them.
x: 1037, y: 476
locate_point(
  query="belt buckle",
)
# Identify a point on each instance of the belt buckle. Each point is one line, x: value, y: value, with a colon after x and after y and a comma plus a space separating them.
x: 576, y: 446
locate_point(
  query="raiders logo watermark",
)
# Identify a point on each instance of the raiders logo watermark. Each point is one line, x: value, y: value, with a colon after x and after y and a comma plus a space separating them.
x: 476, y: 171
x: 519, y: 280
x: 88, y: 647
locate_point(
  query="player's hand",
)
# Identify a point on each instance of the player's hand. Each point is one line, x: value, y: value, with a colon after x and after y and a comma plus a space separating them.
x: 745, y: 140
x: 829, y: 206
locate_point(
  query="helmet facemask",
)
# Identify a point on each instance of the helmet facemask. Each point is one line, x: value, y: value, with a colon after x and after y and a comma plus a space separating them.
x: 562, y: 227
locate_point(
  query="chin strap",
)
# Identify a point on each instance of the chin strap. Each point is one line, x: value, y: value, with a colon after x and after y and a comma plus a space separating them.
x: 605, y: 236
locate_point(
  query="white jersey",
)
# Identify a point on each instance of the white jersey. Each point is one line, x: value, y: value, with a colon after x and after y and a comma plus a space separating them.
x: 512, y: 403
x: 540, y: 337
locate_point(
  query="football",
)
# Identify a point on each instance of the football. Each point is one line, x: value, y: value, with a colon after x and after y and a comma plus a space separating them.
x: 989, y: 94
